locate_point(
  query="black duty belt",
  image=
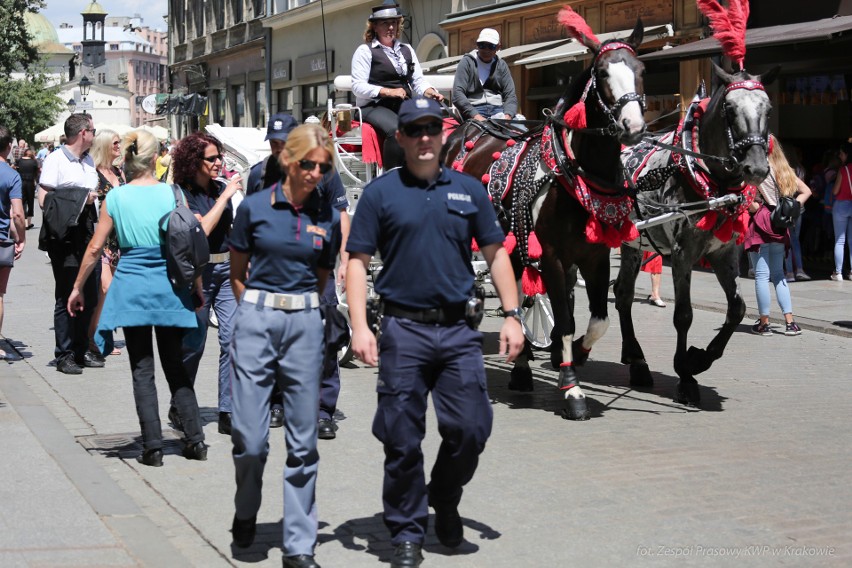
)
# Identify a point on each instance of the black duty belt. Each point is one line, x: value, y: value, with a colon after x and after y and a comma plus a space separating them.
x: 445, y: 315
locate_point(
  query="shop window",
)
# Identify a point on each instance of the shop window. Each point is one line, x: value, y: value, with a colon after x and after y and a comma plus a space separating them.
x: 240, y: 105
x: 314, y: 100
x: 284, y: 99
x: 260, y: 104
x: 220, y: 101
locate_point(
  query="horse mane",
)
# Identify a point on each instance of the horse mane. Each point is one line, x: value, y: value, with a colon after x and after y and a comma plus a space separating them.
x: 729, y: 26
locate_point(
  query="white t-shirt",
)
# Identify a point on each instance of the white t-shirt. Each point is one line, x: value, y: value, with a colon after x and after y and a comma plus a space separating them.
x: 62, y: 169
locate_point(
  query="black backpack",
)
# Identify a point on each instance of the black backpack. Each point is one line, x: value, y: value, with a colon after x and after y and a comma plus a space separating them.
x: 186, y: 248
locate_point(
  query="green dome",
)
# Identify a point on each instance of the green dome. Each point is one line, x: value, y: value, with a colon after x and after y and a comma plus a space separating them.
x: 40, y: 28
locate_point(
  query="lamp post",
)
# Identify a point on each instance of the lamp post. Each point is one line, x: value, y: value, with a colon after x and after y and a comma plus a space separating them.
x: 71, y: 104
x: 84, y: 85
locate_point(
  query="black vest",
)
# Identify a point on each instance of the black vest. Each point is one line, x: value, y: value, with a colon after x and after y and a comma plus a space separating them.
x: 384, y: 74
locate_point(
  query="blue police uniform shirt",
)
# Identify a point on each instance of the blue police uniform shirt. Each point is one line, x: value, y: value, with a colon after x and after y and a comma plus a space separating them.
x: 423, y: 233
x: 201, y: 202
x: 286, y: 244
x: 330, y: 187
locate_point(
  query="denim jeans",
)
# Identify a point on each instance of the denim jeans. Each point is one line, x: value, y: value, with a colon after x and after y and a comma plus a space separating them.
x: 488, y: 111
x: 768, y: 265
x: 841, y: 214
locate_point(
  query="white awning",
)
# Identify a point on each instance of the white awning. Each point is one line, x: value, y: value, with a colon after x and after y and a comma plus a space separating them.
x: 575, y: 50
x: 436, y: 63
x: 511, y: 52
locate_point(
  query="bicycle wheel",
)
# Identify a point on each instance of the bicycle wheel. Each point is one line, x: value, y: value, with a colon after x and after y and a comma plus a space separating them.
x: 537, y: 316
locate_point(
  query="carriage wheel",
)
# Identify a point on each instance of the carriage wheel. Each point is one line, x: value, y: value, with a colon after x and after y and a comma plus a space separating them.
x: 537, y: 318
x: 345, y: 353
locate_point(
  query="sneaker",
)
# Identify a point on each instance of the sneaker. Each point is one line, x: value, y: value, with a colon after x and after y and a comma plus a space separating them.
x: 68, y: 366
x: 790, y: 277
x: 761, y: 328
x: 802, y: 276
x: 836, y: 276
x: 793, y: 329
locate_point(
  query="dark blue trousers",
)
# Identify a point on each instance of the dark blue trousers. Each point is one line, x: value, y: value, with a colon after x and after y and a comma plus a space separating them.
x: 417, y: 359
x: 330, y: 385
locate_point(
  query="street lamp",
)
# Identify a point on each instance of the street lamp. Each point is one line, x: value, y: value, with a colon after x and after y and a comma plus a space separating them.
x: 85, y: 85
x: 71, y: 104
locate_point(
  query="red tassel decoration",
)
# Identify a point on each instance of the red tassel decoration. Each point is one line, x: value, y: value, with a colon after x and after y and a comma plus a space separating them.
x: 510, y: 143
x: 594, y: 231
x: 726, y: 231
x: 533, y: 246
x: 459, y: 167
x: 474, y: 246
x: 531, y: 282
x: 708, y: 221
x: 485, y: 178
x: 575, y: 117
x: 612, y: 237
x: 469, y: 144
x: 629, y: 232
x: 741, y: 227
x: 510, y: 242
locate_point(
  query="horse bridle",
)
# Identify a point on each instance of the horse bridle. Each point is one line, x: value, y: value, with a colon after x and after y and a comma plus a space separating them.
x: 738, y: 147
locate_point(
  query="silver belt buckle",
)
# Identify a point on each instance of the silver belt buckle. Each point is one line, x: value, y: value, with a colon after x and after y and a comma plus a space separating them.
x: 289, y: 302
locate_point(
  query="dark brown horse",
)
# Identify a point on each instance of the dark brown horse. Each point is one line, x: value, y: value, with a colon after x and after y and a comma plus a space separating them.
x: 579, y: 143
x: 732, y: 128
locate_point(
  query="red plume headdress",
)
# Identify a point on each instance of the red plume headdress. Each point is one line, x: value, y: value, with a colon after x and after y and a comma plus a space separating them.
x: 729, y: 26
x: 576, y: 25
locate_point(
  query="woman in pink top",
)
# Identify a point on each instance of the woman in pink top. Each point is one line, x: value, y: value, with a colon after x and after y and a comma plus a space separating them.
x: 841, y: 212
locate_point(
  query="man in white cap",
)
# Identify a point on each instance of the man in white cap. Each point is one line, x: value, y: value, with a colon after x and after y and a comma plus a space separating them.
x: 483, y: 87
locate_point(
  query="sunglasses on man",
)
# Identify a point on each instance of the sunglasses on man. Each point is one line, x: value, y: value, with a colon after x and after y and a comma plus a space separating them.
x: 486, y: 45
x: 309, y: 165
x: 413, y: 130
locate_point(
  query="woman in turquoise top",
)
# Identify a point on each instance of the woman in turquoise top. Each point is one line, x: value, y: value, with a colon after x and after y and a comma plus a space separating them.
x: 141, y: 297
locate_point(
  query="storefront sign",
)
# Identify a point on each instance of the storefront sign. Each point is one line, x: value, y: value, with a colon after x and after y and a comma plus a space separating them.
x: 281, y: 70
x: 314, y: 65
x: 543, y: 28
x: 623, y: 15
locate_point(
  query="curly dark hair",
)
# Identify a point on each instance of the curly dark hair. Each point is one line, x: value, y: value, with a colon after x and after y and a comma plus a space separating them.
x: 188, y: 154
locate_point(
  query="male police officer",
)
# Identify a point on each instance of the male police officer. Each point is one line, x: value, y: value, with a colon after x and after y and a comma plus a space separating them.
x: 421, y: 217
x: 264, y: 174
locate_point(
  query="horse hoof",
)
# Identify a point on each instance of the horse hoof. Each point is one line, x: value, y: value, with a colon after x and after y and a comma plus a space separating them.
x: 575, y: 409
x: 640, y: 376
x: 688, y: 394
x: 579, y: 354
x: 521, y: 380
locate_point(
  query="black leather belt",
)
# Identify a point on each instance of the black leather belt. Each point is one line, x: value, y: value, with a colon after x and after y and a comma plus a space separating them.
x: 444, y: 315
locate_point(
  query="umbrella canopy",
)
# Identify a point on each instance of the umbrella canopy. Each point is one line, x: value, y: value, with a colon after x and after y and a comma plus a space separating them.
x: 51, y: 134
x: 158, y: 131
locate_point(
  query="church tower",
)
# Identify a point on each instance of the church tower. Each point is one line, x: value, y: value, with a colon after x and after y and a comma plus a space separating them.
x: 93, y: 35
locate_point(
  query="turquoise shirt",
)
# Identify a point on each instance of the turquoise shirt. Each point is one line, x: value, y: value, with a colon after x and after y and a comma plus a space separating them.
x: 136, y: 211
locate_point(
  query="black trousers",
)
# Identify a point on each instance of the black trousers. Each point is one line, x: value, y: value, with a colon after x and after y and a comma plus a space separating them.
x: 28, y: 193
x: 386, y: 121
x: 140, y: 348
x: 72, y: 334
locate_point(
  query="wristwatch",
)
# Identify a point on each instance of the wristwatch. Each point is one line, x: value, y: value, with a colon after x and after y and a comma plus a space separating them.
x: 514, y: 313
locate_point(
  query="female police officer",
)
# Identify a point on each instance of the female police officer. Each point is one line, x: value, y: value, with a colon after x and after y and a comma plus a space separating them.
x: 421, y: 218
x: 286, y: 232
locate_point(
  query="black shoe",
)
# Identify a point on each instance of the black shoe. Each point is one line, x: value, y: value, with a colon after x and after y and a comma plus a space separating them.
x: 448, y: 525
x: 225, y: 423
x: 407, y: 555
x: 68, y: 366
x: 326, y: 429
x: 276, y: 418
x: 300, y: 561
x: 154, y: 458
x: 243, y: 531
x: 196, y: 451
x: 93, y: 360
x: 174, y: 418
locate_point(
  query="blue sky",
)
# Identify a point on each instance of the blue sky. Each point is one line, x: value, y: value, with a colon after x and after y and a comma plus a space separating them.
x: 68, y: 11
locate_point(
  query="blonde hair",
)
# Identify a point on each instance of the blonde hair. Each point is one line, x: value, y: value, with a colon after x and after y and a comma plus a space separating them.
x: 370, y: 32
x: 785, y: 175
x: 302, y: 140
x: 102, y: 148
x: 139, y: 149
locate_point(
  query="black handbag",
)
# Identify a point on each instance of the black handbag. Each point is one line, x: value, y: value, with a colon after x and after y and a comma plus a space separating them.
x: 7, y: 253
x: 786, y: 212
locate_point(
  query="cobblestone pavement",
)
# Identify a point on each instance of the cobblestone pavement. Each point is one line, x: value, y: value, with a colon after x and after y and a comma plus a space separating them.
x: 759, y: 476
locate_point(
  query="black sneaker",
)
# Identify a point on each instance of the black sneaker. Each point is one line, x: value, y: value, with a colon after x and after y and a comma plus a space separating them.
x: 761, y: 328
x: 793, y: 329
x: 276, y: 418
x: 94, y: 360
x: 68, y: 366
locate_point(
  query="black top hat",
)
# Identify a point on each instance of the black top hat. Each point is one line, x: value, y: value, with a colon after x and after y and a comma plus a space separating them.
x: 389, y: 10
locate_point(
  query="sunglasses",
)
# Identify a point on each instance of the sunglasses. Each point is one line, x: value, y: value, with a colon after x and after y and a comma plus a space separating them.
x: 417, y: 130
x: 213, y: 159
x: 92, y: 130
x: 309, y: 165
x: 486, y: 45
